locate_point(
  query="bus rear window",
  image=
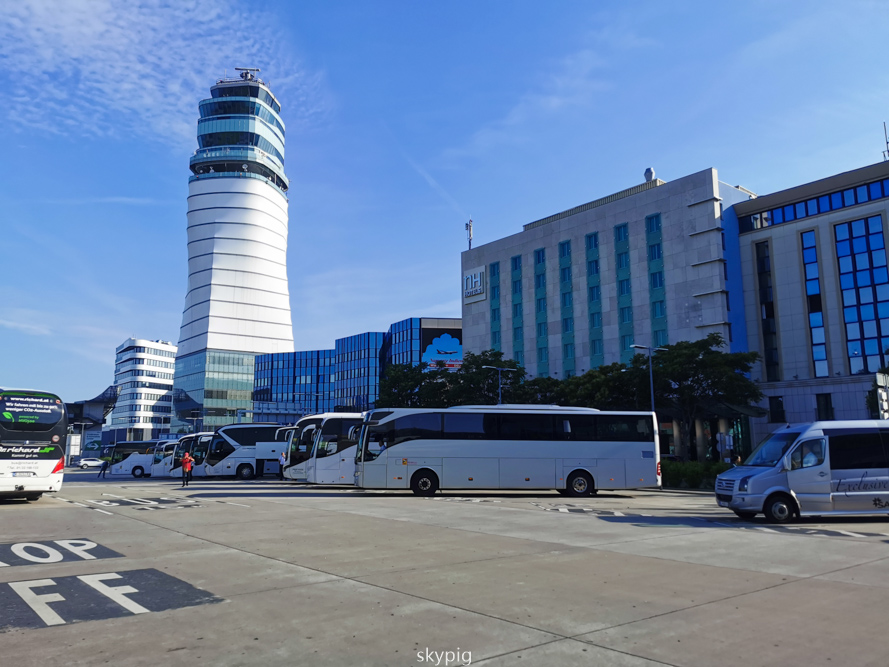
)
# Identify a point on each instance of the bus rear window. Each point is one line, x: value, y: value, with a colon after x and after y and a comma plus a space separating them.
x: 30, y: 452
x: 30, y: 412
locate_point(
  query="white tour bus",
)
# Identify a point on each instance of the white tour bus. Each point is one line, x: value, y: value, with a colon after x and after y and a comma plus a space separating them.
x: 816, y: 469
x: 33, y: 433
x: 302, y: 436
x: 245, y: 450
x: 574, y: 450
x: 335, y: 444
x: 162, y: 464
x: 133, y: 458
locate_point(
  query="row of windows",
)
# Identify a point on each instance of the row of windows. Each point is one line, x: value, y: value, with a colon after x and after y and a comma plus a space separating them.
x: 215, y: 139
x: 145, y: 397
x: 239, y: 108
x: 823, y: 204
x: 143, y: 373
x: 123, y: 409
x: 813, y: 288
x: 534, y: 427
x: 145, y: 350
x: 145, y: 385
x: 246, y: 91
x: 145, y: 362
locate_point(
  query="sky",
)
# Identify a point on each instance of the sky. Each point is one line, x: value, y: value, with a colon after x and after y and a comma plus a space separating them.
x: 404, y: 119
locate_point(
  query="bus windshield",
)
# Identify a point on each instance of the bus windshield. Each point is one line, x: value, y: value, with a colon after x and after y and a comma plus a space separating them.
x: 770, y: 450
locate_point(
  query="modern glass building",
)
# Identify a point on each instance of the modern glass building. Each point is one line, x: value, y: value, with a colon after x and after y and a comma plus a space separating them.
x: 347, y: 378
x: 143, y: 378
x: 237, y: 304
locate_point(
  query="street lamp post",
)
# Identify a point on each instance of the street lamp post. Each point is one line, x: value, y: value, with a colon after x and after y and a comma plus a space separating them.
x: 650, y: 372
x: 499, y: 381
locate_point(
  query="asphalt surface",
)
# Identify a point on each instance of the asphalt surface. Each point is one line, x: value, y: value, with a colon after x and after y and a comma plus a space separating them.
x: 136, y: 572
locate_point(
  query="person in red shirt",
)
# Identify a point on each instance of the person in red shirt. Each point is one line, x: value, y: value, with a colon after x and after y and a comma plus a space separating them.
x: 187, y: 465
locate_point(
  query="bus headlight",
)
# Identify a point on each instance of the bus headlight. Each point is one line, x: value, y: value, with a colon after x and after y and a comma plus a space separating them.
x: 743, y: 484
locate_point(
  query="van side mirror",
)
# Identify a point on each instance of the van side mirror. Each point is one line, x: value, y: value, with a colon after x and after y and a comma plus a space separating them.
x: 785, y: 464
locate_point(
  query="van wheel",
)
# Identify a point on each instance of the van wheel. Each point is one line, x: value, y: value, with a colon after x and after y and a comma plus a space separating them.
x: 245, y: 471
x: 779, y: 508
x: 579, y: 484
x: 747, y: 516
x: 138, y: 472
x: 424, y: 483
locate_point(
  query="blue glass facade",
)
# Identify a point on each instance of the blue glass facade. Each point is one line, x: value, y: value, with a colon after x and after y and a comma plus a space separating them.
x: 358, y: 371
x: 304, y: 379
x: 211, y: 387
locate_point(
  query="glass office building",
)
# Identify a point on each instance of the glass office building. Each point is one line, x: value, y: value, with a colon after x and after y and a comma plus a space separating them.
x: 298, y: 382
x: 237, y: 303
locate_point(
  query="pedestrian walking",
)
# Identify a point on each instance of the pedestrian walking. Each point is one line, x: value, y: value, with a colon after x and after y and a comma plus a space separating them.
x: 187, y: 465
x: 103, y: 469
x: 283, y: 461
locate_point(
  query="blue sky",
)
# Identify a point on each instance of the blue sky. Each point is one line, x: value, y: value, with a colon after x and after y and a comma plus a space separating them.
x: 403, y: 119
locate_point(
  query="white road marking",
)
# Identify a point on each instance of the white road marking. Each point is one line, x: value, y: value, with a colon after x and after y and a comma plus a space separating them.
x: 116, y: 593
x: 238, y: 504
x: 102, y: 511
x: 39, y: 602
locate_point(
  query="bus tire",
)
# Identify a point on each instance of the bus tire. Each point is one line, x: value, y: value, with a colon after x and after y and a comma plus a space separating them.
x: 779, y: 508
x: 138, y: 472
x: 245, y: 471
x: 424, y: 483
x: 580, y: 483
x: 33, y: 497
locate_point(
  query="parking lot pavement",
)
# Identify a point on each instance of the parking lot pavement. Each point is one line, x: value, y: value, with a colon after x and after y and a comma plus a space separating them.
x: 130, y: 572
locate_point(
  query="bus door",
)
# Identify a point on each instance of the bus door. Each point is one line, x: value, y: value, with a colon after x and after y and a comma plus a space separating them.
x: 300, y: 451
x: 331, y: 463
x: 163, y: 460
x: 372, y: 467
x: 176, y: 466
x: 199, y: 452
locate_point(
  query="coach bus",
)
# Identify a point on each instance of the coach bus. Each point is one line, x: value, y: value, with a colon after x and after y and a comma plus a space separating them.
x: 242, y: 450
x: 196, y: 444
x: 332, y: 459
x: 302, y: 437
x: 576, y: 451
x: 132, y: 458
x: 162, y: 460
x: 33, y: 433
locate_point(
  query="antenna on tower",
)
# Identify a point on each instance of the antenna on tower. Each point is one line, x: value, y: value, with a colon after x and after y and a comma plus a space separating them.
x: 469, y: 232
x: 886, y: 138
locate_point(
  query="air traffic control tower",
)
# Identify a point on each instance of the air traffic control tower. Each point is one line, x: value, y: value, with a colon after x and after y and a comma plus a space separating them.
x: 238, y: 303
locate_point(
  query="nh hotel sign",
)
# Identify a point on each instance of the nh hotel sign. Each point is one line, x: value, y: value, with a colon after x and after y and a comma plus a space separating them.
x: 474, y: 285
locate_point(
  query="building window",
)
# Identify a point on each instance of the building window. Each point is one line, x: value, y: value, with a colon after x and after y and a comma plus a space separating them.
x: 567, y: 300
x: 565, y: 249
x: 519, y: 356
x: 767, y: 312
x: 542, y: 355
x: 518, y: 334
x: 654, y: 252
x: 776, y: 409
x: 623, y: 260
x: 495, y: 271
x: 568, y: 351
x: 541, y: 305
x: 596, y: 320
x: 540, y: 256
x: 813, y: 300
x: 658, y: 309
x: 565, y: 274
x: 653, y: 223
x: 595, y: 294
x: 567, y: 324
x: 623, y: 286
x: 823, y: 407
x: 592, y: 267
x: 660, y: 337
x: 596, y: 346
x: 626, y: 343
x: 495, y: 339
x: 516, y: 263
x: 495, y: 314
x: 626, y: 314
x: 517, y: 286
x: 542, y: 329
x: 495, y: 292
x: 657, y: 279
x: 621, y: 233
x: 540, y: 281
x: 516, y: 311
x: 592, y: 241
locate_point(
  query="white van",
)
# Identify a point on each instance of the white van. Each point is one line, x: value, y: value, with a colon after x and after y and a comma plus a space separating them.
x: 815, y: 469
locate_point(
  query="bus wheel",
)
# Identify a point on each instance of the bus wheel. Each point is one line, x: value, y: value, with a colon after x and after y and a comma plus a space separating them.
x: 245, y: 471
x: 36, y: 496
x: 580, y: 484
x: 424, y: 483
x: 779, y: 508
x: 138, y: 471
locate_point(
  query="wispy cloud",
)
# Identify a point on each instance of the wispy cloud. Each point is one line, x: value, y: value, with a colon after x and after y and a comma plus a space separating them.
x: 30, y: 322
x: 444, y: 194
x: 114, y: 67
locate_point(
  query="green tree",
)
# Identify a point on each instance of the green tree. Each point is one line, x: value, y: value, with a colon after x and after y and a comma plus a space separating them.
x: 473, y: 384
x: 408, y: 386
x: 695, y: 377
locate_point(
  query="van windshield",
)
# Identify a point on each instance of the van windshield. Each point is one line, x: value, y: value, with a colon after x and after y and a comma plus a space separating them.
x: 772, y: 449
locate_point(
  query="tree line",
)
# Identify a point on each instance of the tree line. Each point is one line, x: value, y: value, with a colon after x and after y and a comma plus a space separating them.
x: 692, y: 380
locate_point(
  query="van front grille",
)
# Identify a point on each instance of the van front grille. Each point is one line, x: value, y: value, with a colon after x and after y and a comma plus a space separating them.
x: 725, y: 485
